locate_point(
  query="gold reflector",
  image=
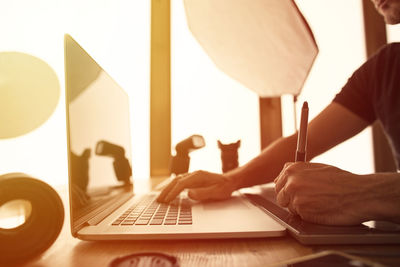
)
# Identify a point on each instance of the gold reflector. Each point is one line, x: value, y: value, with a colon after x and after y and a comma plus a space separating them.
x: 29, y: 93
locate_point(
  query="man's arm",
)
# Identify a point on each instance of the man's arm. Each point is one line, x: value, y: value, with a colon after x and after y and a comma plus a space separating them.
x: 332, y: 126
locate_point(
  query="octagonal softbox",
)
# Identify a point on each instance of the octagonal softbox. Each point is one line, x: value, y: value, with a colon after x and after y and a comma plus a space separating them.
x: 266, y: 45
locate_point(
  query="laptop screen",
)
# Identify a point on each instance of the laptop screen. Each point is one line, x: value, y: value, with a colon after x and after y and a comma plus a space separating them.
x: 98, y: 133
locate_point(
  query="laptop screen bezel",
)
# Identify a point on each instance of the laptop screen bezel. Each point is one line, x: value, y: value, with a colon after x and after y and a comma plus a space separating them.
x: 77, y: 221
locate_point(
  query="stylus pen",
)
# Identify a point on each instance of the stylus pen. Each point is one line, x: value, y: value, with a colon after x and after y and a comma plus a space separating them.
x: 302, y: 134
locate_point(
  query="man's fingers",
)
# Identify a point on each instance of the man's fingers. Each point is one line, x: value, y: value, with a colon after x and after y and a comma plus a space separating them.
x: 287, y: 165
x: 168, y: 188
x: 193, y: 180
x: 175, y: 191
x: 282, y: 198
x: 290, y: 169
x: 280, y: 183
x: 281, y: 179
x: 292, y: 210
x: 291, y: 207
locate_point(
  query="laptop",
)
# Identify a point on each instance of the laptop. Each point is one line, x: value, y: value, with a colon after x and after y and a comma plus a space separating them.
x: 102, y: 203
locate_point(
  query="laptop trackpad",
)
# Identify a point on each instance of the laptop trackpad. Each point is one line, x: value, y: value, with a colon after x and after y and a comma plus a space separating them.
x: 235, y: 214
x: 232, y: 203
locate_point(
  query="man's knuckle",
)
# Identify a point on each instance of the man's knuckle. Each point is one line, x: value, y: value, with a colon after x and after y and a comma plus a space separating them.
x: 289, y: 171
x: 291, y: 186
x: 200, y: 172
x: 287, y: 164
x: 279, y: 198
x: 179, y: 185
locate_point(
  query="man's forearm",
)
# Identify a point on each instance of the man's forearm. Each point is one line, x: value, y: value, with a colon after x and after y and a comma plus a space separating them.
x: 266, y: 166
x: 384, y: 196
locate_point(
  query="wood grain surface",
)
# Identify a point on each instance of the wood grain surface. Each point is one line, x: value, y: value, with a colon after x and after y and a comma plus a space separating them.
x: 69, y: 251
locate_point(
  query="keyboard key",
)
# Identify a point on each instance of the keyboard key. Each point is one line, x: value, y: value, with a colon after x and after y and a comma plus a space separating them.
x: 142, y: 222
x: 185, y: 218
x: 156, y: 222
x: 150, y: 212
x: 127, y: 223
x: 170, y: 222
x: 184, y: 222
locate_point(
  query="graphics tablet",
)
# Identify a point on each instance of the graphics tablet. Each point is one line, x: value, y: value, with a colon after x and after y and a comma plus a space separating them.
x: 309, y: 233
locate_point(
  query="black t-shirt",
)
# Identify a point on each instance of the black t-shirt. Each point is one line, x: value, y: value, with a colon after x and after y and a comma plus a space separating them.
x: 373, y: 93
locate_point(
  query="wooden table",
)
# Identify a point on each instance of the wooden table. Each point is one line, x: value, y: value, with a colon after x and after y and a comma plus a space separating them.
x: 68, y: 251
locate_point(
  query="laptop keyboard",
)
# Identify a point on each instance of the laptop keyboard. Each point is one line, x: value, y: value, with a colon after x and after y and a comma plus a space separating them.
x: 149, y: 212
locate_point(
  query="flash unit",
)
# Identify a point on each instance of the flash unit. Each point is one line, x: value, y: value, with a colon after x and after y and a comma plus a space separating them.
x: 122, y: 167
x: 180, y: 162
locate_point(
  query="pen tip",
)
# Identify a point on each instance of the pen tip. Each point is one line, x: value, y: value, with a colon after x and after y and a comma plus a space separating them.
x: 305, y: 104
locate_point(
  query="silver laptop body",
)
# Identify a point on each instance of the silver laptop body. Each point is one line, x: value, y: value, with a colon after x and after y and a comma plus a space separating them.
x: 102, y: 203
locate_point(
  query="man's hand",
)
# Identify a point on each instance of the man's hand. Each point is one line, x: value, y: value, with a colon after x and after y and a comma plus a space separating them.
x: 203, y: 186
x: 324, y: 194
